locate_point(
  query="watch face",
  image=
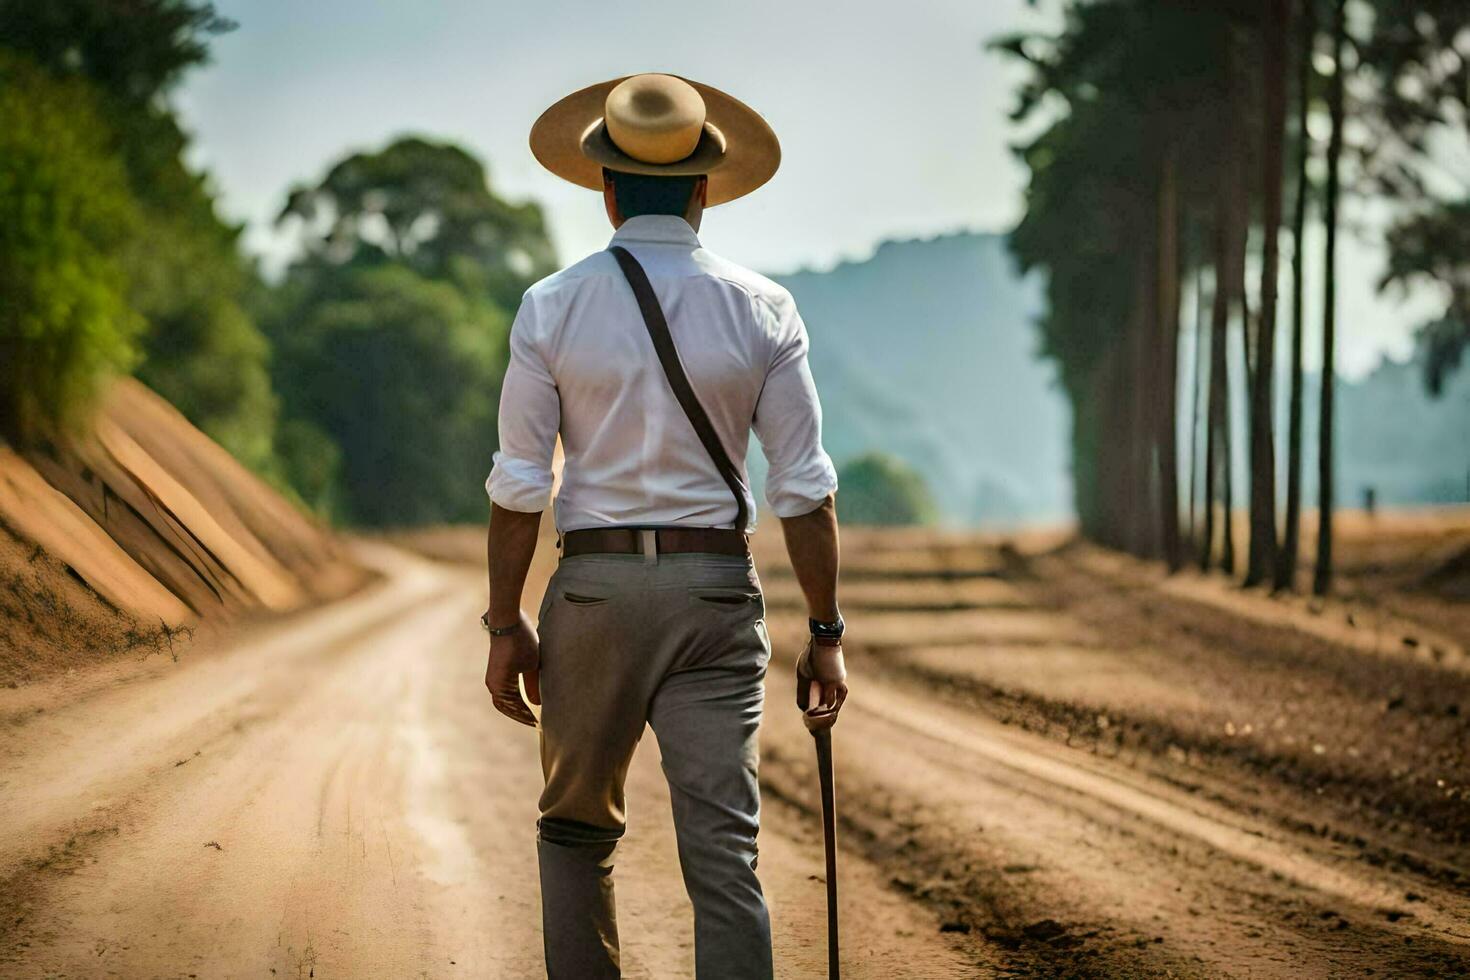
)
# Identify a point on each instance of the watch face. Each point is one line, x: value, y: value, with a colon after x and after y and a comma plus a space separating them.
x: 833, y: 629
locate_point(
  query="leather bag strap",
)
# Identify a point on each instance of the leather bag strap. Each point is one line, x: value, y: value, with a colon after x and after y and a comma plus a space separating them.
x: 668, y: 356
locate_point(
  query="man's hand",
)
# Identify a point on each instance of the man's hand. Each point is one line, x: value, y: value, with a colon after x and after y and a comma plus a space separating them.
x: 821, y: 679
x: 512, y: 655
x: 821, y: 682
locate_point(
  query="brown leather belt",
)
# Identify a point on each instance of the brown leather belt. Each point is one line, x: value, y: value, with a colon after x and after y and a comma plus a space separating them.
x: 656, y: 541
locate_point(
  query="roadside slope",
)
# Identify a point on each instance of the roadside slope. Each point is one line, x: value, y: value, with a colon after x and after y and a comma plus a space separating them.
x: 123, y: 538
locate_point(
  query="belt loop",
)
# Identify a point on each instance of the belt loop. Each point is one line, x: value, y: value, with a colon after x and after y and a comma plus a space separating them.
x: 649, y: 539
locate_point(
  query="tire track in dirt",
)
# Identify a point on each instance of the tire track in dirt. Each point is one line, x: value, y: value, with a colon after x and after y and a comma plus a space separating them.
x: 112, y: 744
x: 260, y: 820
x: 1078, y: 865
x: 1442, y: 913
x: 1370, y: 750
x: 1073, y: 870
x: 356, y: 808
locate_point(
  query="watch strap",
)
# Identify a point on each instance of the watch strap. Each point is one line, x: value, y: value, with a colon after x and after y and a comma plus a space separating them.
x: 498, y: 630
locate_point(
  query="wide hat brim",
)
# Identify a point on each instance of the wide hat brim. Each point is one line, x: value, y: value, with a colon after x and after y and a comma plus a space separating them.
x: 738, y: 149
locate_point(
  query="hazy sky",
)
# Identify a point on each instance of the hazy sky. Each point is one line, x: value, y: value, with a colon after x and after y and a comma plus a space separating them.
x: 892, y: 116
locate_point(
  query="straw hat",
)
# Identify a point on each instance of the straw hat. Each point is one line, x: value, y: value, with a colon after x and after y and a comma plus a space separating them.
x: 657, y: 124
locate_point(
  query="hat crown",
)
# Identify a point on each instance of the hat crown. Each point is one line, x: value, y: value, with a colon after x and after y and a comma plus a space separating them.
x: 654, y: 118
x: 699, y: 130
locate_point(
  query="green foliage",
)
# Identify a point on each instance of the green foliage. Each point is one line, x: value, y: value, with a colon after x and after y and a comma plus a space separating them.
x: 65, y: 213
x: 390, y: 332
x: 204, y: 351
x: 1416, y: 55
x: 1123, y: 85
x: 201, y: 349
x: 310, y: 465
x: 132, y: 50
x: 428, y: 206
x: 1432, y: 246
x: 879, y: 489
x: 1123, y: 80
x: 402, y: 374
x: 207, y: 356
x: 391, y: 329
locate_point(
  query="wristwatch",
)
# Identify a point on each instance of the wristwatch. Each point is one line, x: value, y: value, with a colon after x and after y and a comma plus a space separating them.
x: 497, y: 630
x: 827, y: 631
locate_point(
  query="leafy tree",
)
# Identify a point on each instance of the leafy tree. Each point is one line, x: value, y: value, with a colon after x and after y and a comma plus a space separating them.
x: 65, y: 213
x: 1286, y: 557
x: 878, y: 489
x: 414, y: 413
x: 201, y: 348
x: 311, y: 466
x: 1418, y: 55
x: 1263, y: 555
x: 402, y: 374
x: 427, y: 206
x: 1152, y: 114
x: 1134, y: 96
x: 207, y: 355
x: 1432, y: 246
x: 1326, y: 421
x: 134, y: 50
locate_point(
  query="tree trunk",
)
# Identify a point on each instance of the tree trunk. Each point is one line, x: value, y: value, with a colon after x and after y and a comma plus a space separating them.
x: 1227, y: 493
x: 1231, y: 223
x: 1286, y: 558
x: 1218, y: 414
x: 1212, y: 424
x: 1247, y: 323
x: 1090, y: 420
x: 1142, y: 536
x: 1115, y: 458
x: 1195, y: 392
x: 1166, y: 365
x: 1262, y: 557
x: 1237, y: 155
x: 1239, y: 228
x: 1322, y: 579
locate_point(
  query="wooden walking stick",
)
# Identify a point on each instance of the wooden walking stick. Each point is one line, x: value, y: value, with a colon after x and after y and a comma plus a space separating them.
x: 823, y: 736
x: 819, y: 719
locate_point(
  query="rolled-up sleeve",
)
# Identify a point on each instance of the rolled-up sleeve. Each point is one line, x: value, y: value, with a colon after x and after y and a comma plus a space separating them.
x: 788, y: 423
x: 530, y: 415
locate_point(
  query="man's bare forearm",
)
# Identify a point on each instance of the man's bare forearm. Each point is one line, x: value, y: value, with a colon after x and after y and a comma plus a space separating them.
x: 811, y: 541
x: 509, y: 546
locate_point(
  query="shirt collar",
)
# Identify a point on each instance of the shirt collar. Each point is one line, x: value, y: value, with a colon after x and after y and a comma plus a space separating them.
x: 661, y: 229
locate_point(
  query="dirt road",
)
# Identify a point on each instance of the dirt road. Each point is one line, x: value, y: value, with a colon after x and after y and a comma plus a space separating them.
x: 330, y: 795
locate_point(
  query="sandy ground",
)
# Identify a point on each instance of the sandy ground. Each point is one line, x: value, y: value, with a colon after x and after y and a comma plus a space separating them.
x: 1050, y: 766
x: 332, y: 796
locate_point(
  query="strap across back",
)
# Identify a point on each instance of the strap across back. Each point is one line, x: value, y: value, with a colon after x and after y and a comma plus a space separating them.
x: 668, y: 356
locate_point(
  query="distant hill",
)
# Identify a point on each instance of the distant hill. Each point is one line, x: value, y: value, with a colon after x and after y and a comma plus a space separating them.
x: 1410, y: 447
x: 927, y: 351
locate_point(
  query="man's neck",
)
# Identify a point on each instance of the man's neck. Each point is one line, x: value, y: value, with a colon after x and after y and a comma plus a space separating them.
x: 666, y: 228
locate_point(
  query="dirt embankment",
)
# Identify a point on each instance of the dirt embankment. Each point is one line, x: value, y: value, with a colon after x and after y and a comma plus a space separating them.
x: 125, y: 539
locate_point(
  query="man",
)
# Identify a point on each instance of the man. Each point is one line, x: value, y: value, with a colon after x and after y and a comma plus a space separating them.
x: 655, y: 615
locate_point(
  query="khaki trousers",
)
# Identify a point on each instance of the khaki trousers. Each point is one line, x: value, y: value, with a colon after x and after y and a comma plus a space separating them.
x: 678, y: 643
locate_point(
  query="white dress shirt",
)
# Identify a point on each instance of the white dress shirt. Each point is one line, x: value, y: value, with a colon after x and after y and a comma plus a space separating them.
x: 582, y: 365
